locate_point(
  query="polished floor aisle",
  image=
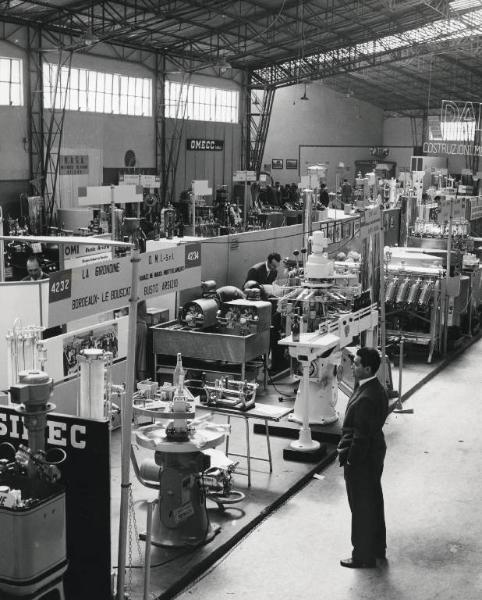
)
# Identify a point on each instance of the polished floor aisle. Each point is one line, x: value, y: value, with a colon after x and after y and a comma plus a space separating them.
x: 433, y: 496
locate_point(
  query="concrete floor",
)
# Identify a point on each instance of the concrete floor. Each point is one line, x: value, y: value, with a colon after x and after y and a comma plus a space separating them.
x: 433, y: 493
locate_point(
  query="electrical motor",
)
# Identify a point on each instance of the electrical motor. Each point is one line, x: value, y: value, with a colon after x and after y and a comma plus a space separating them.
x: 199, y: 314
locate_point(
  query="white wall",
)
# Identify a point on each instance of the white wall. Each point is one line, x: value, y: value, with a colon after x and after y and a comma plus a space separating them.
x: 341, y: 128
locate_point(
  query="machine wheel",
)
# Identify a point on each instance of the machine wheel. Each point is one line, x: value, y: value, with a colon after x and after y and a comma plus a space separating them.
x: 232, y: 498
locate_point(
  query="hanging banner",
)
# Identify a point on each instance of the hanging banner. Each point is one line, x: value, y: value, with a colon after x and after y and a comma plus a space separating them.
x: 204, y: 145
x: 458, y: 212
x: 475, y: 208
x: 91, y: 289
x: 370, y: 222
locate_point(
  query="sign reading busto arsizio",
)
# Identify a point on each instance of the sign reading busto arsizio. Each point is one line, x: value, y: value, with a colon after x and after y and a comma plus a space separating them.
x: 91, y: 289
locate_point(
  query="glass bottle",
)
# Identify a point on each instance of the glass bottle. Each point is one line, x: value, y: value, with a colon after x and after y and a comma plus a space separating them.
x: 178, y: 371
x: 295, y: 327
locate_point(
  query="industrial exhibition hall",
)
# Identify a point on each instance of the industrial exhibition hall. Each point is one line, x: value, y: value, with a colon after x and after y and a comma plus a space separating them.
x: 241, y: 299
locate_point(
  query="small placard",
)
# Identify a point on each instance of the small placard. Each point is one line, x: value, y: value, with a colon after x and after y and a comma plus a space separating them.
x: 60, y: 285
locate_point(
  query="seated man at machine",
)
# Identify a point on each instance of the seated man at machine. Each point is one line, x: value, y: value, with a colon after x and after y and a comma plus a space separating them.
x: 265, y: 272
x: 34, y: 270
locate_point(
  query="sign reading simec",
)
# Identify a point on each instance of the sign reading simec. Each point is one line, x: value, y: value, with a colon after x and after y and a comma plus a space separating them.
x: 203, y: 144
x: 91, y: 289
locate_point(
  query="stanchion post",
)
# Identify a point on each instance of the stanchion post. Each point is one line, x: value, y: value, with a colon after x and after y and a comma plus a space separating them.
x: 112, y: 211
x: 2, y: 258
x: 147, y: 554
x: 126, y: 416
x: 383, y: 341
x: 449, y: 264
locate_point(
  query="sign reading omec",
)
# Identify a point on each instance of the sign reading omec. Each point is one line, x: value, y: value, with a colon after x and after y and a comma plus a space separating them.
x: 91, y: 289
x: 204, y: 145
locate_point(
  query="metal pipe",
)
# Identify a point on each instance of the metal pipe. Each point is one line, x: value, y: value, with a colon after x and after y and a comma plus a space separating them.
x: 400, y: 372
x: 147, y: 555
x: 126, y: 416
x: 382, y: 300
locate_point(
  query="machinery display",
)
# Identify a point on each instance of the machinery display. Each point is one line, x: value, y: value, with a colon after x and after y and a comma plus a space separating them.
x: 332, y: 311
x: 180, y: 462
x: 32, y: 501
x: 214, y: 333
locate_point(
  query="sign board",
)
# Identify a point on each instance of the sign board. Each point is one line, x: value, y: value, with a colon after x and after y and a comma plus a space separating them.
x: 370, y: 222
x: 150, y: 181
x: 86, y: 477
x: 204, y: 145
x: 129, y: 179
x: 458, y: 212
x: 80, y: 250
x: 475, y: 208
x: 242, y: 176
x: 123, y: 194
x: 91, y: 289
x: 74, y: 164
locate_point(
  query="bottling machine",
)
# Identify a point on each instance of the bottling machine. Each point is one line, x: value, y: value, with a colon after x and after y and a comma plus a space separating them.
x: 180, y: 461
x: 332, y: 311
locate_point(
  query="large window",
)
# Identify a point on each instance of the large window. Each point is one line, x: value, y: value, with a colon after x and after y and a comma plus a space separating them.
x: 198, y: 103
x: 11, y: 92
x: 93, y: 91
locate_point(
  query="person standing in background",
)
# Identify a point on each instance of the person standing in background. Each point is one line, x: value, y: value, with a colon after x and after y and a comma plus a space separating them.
x: 346, y: 192
x: 324, y: 196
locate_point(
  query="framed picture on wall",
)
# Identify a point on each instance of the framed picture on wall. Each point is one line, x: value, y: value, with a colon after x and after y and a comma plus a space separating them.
x: 347, y: 230
x: 276, y: 163
x: 292, y: 163
x: 356, y: 228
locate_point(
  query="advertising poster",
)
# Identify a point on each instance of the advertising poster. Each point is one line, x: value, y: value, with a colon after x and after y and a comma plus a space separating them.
x: 104, y: 338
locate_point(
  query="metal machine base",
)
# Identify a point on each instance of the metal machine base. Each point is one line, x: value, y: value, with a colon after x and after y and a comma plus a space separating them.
x: 304, y: 455
x: 175, y: 541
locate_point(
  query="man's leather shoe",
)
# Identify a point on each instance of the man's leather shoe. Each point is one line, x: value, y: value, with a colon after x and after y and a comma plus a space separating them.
x: 352, y: 563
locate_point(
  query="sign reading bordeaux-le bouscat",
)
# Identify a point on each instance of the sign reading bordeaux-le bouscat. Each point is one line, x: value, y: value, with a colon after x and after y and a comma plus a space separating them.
x: 204, y: 144
x: 90, y: 289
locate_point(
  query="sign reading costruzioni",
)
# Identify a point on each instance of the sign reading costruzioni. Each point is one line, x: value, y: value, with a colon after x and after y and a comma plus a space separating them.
x: 204, y: 144
x: 91, y: 289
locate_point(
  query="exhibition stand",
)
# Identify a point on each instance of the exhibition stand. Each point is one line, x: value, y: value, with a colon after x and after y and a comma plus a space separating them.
x: 338, y: 303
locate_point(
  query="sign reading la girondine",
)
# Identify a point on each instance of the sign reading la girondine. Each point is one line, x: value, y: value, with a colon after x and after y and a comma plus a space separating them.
x: 204, y: 145
x: 91, y: 289
x: 455, y: 131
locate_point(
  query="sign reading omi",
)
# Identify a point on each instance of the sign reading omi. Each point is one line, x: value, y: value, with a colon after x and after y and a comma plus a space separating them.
x: 90, y: 289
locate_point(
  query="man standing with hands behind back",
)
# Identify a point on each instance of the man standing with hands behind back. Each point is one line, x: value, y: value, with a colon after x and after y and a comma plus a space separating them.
x: 361, y: 452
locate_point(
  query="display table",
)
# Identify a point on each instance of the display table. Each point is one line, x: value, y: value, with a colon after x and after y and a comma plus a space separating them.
x: 215, y: 352
x: 265, y: 412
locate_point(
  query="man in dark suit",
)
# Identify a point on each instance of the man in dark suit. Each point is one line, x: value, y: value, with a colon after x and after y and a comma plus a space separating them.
x: 265, y: 272
x: 361, y: 452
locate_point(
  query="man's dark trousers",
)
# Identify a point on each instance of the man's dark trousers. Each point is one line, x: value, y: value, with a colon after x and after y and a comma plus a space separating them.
x: 365, y: 496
